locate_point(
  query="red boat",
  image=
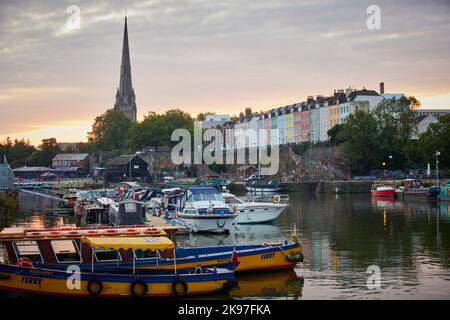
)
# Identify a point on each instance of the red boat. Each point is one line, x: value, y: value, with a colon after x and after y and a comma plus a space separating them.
x: 382, y: 191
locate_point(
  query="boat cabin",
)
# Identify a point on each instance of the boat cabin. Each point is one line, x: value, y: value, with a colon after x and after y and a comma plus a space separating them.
x: 68, y: 245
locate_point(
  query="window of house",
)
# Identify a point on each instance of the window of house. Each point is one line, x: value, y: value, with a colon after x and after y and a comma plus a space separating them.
x: 107, y: 255
x: 65, y: 251
x: 28, y: 249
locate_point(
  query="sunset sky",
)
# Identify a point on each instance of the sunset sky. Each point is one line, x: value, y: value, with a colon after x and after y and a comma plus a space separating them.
x: 205, y: 55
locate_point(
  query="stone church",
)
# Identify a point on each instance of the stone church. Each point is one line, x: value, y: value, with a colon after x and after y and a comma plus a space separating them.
x: 125, y: 97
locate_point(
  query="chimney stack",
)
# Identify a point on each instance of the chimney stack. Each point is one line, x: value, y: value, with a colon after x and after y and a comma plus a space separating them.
x: 381, y: 87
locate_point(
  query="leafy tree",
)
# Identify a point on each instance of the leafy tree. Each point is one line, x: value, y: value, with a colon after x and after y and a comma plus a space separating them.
x: 335, y: 134
x: 45, y: 152
x: 202, y: 116
x: 109, y: 131
x: 437, y: 138
x: 156, y: 129
x: 17, y: 153
x: 361, y: 146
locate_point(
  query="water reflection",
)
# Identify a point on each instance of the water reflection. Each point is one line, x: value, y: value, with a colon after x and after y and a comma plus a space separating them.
x: 342, y: 236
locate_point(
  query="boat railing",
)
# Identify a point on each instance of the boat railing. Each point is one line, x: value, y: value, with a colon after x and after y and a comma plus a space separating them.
x: 277, y: 198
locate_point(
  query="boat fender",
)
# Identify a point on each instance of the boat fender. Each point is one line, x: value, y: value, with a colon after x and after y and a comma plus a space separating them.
x: 276, y: 199
x: 230, y: 284
x: 4, y: 276
x: 24, y: 262
x: 92, y: 284
x: 180, y: 288
x: 139, y: 293
x: 198, y: 270
x: 295, y: 257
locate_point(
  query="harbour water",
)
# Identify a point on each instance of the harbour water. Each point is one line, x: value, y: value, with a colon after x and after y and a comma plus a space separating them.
x: 342, y: 235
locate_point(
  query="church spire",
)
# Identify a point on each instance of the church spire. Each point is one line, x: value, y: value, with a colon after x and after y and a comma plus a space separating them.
x: 125, y: 98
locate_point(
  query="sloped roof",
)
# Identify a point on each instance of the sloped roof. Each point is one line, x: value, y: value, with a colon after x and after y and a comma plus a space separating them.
x: 123, y: 159
x: 71, y: 156
x: 363, y: 92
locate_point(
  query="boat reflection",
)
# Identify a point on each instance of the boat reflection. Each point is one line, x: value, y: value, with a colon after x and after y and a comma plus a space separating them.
x: 247, y: 234
x: 275, y: 285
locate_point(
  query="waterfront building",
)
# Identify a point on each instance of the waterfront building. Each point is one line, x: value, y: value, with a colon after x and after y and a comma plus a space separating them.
x: 281, y: 118
x: 433, y: 112
x: 274, y: 140
x: 214, y: 120
x: 422, y: 123
x: 297, y: 110
x: 289, y: 124
x: 71, y: 160
x: 364, y: 97
x: 267, y: 127
x: 314, y: 123
x: 305, y: 120
x: 324, y: 118
x: 125, y: 97
x: 125, y: 167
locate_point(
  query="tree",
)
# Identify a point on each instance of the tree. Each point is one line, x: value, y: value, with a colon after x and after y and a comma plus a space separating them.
x: 335, y: 134
x: 109, y: 131
x: 156, y: 129
x: 437, y: 138
x: 361, y: 146
x: 202, y: 116
x: 45, y: 153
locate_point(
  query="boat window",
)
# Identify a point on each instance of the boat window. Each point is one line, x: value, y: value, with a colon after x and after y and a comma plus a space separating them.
x: 107, y: 255
x: 65, y: 250
x: 146, y: 254
x: 130, y: 207
x: 2, y: 253
x: 28, y: 249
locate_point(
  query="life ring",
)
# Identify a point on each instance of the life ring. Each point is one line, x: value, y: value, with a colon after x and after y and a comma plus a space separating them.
x: 93, y: 233
x: 111, y: 231
x: 73, y: 233
x: 25, y: 262
x: 35, y: 234
x: 233, y: 209
x: 131, y: 231
x: 5, y: 276
x: 176, y: 288
x: 135, y: 293
x: 198, y: 270
x: 276, y: 199
x: 99, y: 289
x: 229, y: 284
x: 54, y: 233
x: 295, y: 257
x: 151, y: 231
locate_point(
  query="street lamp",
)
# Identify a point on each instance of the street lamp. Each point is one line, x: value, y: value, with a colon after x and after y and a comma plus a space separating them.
x: 438, y: 153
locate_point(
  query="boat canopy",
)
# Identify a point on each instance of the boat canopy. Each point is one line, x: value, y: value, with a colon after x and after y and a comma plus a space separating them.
x: 126, y: 243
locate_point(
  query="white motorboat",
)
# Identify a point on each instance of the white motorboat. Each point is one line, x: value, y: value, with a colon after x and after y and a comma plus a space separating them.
x: 255, y: 211
x: 203, y: 209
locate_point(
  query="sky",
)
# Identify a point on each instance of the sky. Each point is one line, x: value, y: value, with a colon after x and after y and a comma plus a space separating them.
x: 209, y: 55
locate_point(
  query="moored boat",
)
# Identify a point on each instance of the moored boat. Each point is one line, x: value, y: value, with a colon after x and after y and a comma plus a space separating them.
x: 21, y: 274
x: 264, y: 186
x: 414, y: 190
x: 251, y: 258
x: 254, y: 210
x: 381, y: 190
x: 444, y: 194
x: 203, y: 209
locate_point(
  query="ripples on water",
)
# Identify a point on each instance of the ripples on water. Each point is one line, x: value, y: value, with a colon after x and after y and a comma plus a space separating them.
x: 342, y: 236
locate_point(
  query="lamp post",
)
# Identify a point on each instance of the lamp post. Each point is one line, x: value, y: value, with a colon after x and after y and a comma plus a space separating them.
x: 437, y: 167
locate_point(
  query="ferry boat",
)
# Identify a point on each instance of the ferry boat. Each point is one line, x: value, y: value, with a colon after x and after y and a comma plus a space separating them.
x: 203, y: 209
x: 23, y: 271
x: 256, y: 210
x: 264, y: 186
x: 381, y: 190
x: 250, y: 258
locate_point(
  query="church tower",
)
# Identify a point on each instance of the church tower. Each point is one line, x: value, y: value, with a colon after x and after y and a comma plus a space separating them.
x: 125, y: 98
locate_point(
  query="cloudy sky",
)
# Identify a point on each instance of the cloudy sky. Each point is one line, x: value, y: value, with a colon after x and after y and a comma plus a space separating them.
x: 210, y: 55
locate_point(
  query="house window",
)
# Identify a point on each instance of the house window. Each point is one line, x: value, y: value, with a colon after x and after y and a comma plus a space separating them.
x: 107, y: 255
x: 28, y: 249
x: 65, y: 251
